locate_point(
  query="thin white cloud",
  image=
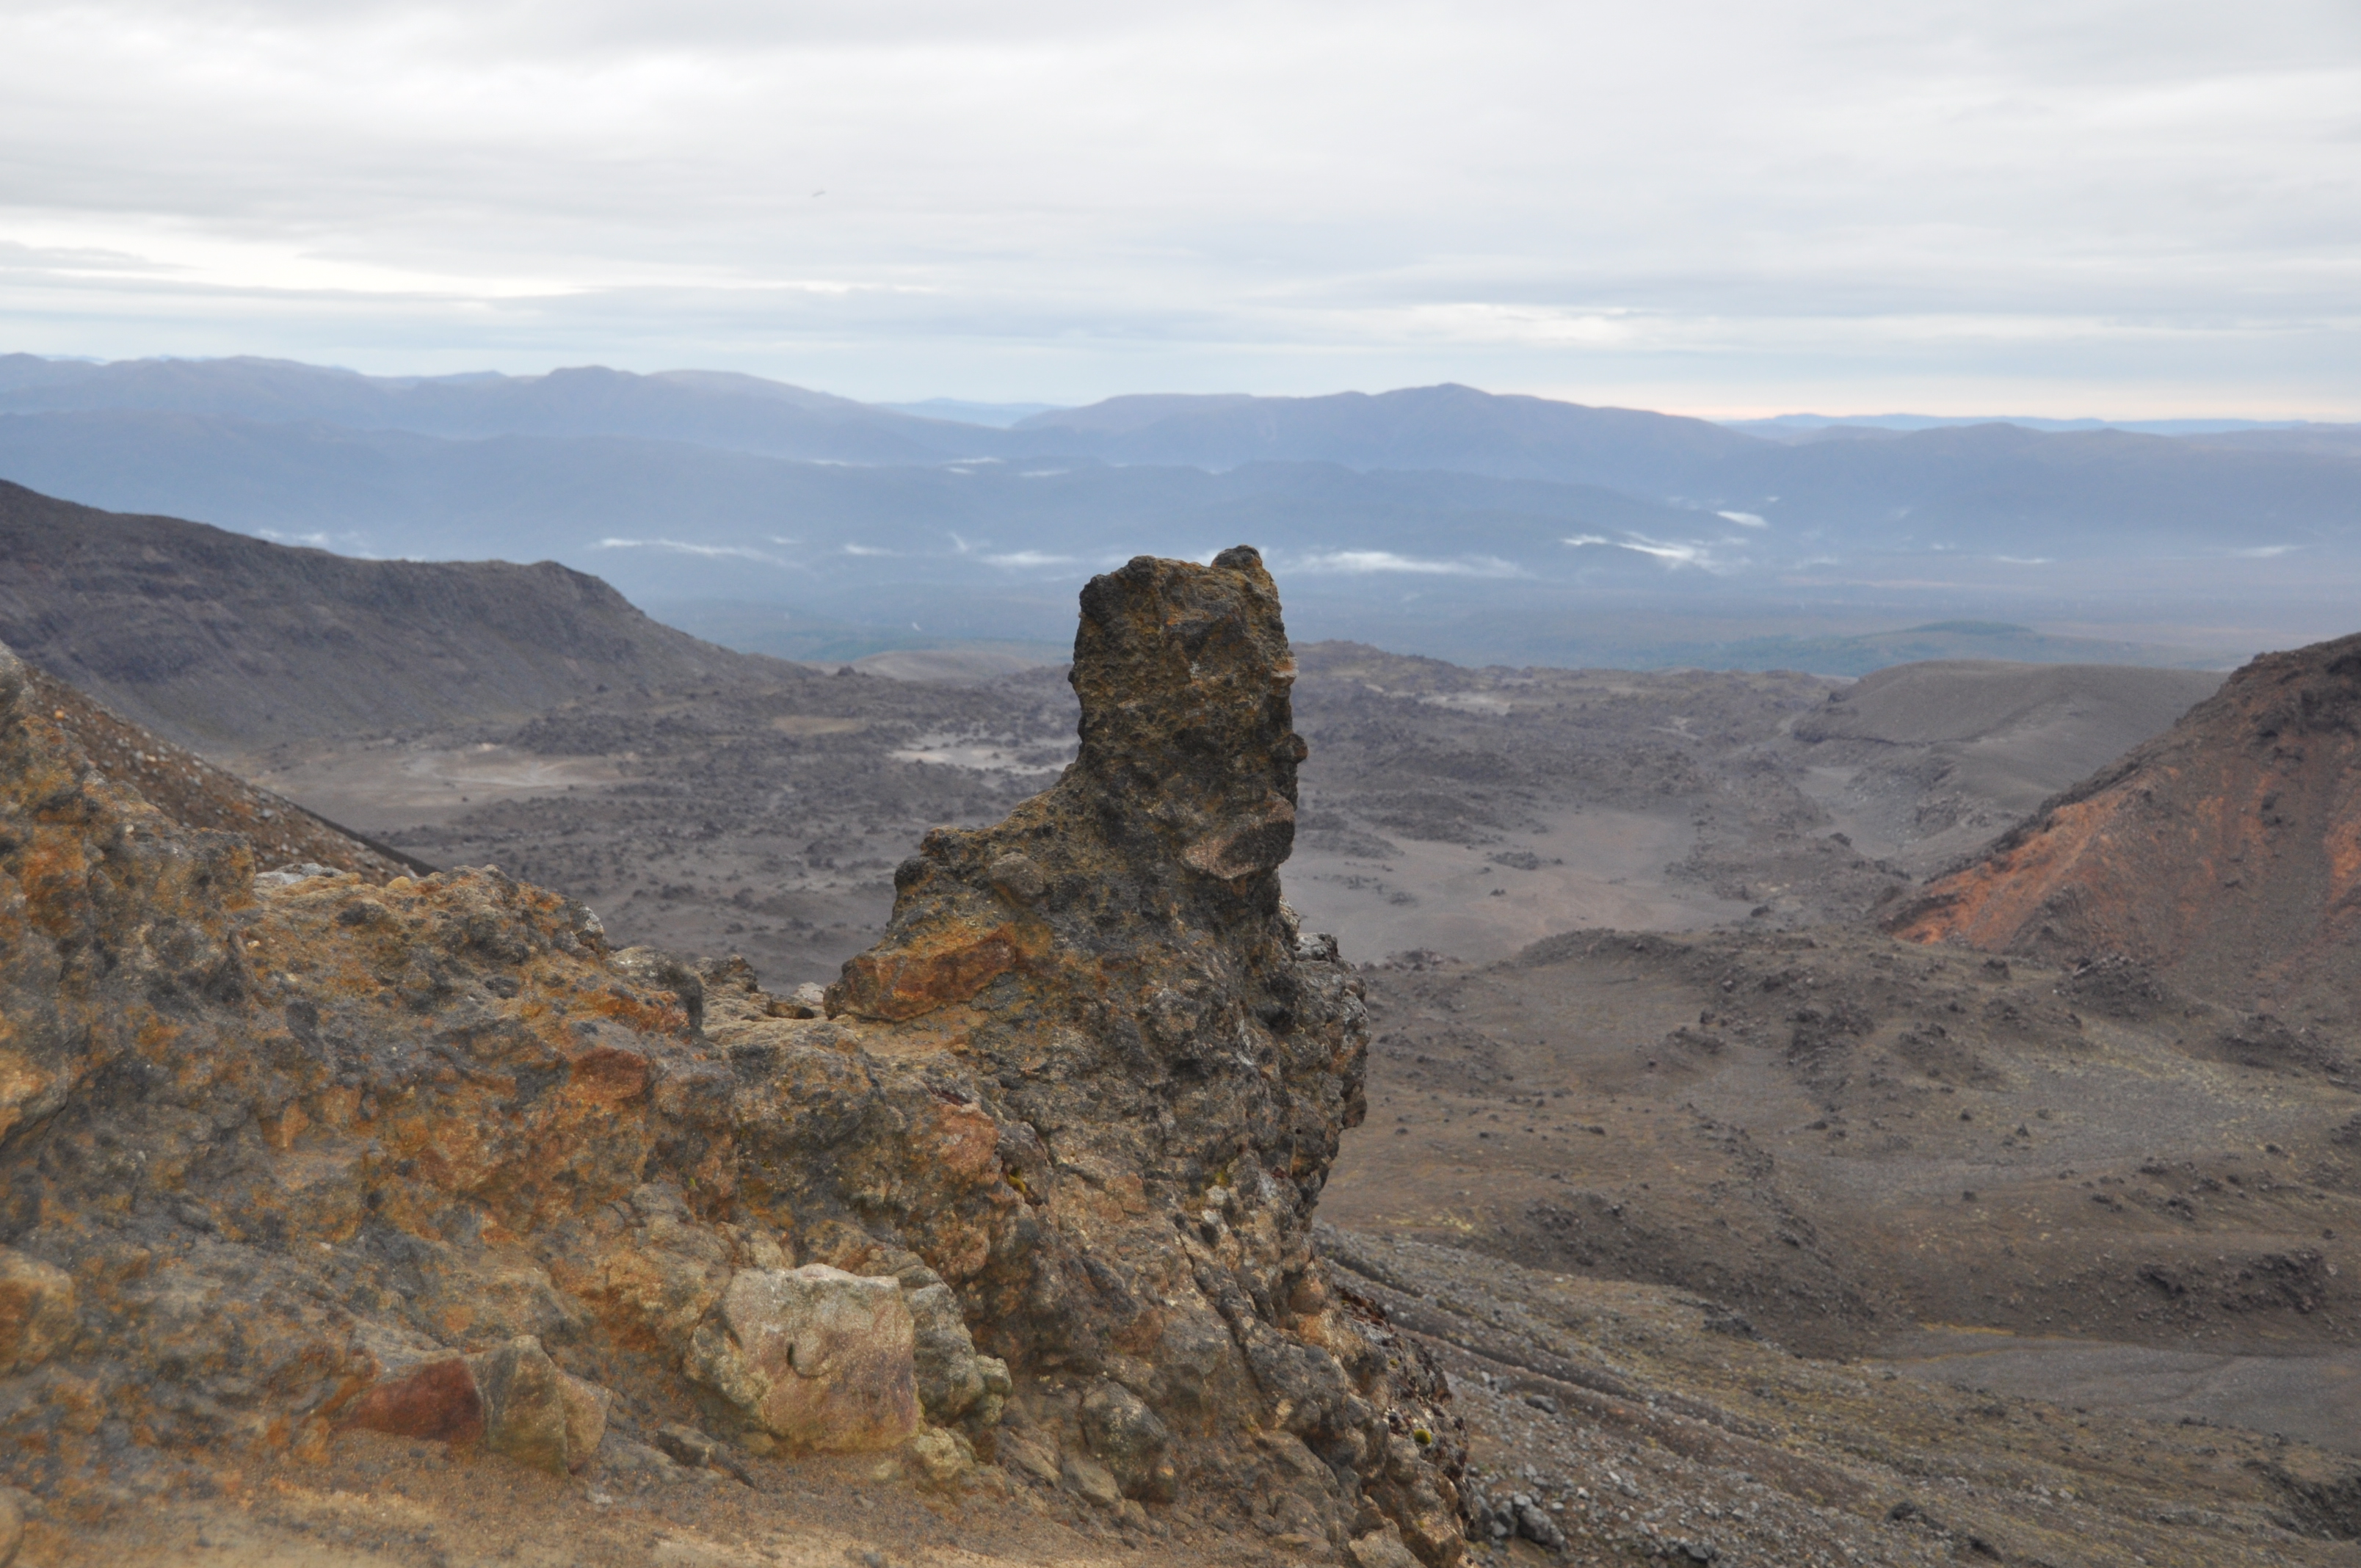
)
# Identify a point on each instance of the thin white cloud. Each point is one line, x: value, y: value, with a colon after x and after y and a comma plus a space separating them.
x: 2264, y: 552
x: 1366, y: 563
x: 1674, y: 554
x: 682, y: 547
x: 868, y: 549
x: 1744, y: 519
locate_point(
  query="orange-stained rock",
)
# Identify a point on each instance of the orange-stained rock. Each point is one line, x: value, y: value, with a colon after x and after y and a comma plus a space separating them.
x: 513, y: 1399
x: 438, y: 1401
x: 941, y: 968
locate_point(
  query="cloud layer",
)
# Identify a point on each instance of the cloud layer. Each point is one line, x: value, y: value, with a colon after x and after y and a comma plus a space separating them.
x: 2061, y: 207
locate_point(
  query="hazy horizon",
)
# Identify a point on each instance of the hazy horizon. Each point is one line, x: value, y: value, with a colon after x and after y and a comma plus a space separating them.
x: 2087, y: 209
x: 968, y: 409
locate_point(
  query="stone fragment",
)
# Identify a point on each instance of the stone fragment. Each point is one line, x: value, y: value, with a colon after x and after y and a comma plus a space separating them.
x: 36, y: 1311
x: 513, y: 1399
x: 821, y: 1359
x: 1091, y: 1482
x: 954, y: 1381
x: 1381, y: 1549
x: 686, y: 1444
x: 1135, y: 1446
x: 586, y: 1421
x: 1533, y: 1523
x: 1029, y: 1457
x: 941, y: 1457
x: 533, y: 1412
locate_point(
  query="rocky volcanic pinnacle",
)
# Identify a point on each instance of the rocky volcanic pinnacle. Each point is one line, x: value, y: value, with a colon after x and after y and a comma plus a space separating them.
x: 286, y: 1156
x: 2226, y: 851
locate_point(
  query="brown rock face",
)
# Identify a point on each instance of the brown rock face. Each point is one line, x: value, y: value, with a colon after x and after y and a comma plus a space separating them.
x: 2226, y: 851
x: 423, y: 1157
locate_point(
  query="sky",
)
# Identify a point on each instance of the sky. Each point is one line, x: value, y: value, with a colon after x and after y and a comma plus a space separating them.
x: 1730, y: 207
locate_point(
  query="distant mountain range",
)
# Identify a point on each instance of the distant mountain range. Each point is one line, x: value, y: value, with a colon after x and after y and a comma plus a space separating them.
x: 1819, y: 427
x: 1446, y: 520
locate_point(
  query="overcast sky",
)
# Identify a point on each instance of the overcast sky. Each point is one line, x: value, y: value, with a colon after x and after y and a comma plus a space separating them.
x: 2035, y: 207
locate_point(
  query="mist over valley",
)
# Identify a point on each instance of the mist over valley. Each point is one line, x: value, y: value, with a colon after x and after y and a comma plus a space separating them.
x: 1441, y: 521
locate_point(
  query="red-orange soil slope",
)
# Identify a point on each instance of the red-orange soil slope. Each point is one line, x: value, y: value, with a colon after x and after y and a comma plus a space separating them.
x: 2226, y: 851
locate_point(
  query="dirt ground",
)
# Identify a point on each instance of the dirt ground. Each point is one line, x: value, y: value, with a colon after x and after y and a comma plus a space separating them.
x: 386, y: 1501
x: 1649, y: 1423
x: 2015, y: 1173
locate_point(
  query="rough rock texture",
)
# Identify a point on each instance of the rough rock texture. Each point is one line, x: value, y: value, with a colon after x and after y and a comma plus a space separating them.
x: 511, y: 1398
x: 1167, y: 1060
x: 315, y: 1154
x: 36, y: 1311
x: 2226, y: 852
x: 818, y: 1358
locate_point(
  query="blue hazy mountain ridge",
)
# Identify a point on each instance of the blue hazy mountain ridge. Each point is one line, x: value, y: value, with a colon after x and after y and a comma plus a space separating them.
x: 703, y: 407
x: 1454, y: 428
x: 1973, y: 476
x: 1988, y: 490
x: 997, y: 416
x: 1437, y: 520
x: 1810, y: 426
x: 634, y: 505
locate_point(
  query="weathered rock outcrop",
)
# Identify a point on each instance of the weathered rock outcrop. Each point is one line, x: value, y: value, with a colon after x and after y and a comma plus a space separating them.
x: 2226, y: 852
x: 288, y: 1159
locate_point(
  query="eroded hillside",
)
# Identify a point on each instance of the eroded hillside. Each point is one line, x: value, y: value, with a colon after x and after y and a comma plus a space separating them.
x: 2226, y: 851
